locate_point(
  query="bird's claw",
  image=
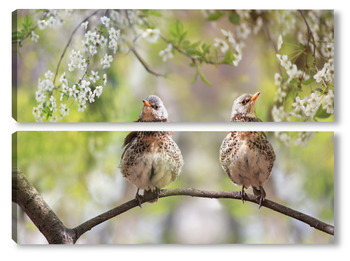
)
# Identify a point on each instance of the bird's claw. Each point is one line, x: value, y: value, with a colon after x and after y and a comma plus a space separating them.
x: 138, y: 197
x: 243, y: 194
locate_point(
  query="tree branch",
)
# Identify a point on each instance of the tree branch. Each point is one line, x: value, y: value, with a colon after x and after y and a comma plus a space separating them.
x: 27, y: 197
x: 144, y: 63
x: 313, y: 222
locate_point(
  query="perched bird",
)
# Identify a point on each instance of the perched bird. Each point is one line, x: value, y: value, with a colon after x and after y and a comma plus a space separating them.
x: 151, y: 159
x: 247, y: 157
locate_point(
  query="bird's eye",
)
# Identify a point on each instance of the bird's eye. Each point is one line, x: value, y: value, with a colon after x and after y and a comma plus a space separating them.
x: 244, y: 102
x: 155, y: 107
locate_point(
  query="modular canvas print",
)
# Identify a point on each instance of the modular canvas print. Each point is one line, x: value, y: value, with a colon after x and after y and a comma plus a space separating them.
x: 177, y: 188
x: 225, y: 182
x: 98, y: 65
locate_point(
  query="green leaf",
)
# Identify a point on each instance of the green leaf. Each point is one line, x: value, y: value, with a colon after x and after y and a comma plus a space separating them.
x: 205, y: 48
x: 181, y: 38
x: 27, y: 22
x: 179, y: 27
x: 309, y: 81
x: 177, y: 31
x: 194, y: 79
x: 191, y: 51
x: 229, y: 58
x: 203, y: 78
x: 215, y: 16
x: 186, y: 44
x: 234, y: 18
x: 322, y: 113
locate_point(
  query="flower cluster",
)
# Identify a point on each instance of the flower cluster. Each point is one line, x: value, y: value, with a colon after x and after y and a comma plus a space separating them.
x: 77, y: 60
x: 291, y: 69
x: 304, y: 92
x: 54, y: 18
x: 303, y: 138
x: 327, y: 72
x: 235, y: 40
x: 85, y: 89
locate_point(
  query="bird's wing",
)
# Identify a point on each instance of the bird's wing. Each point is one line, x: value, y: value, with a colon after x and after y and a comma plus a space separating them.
x: 128, y: 140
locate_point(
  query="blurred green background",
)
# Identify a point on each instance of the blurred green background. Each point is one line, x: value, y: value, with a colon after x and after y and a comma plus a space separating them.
x: 77, y: 174
x: 129, y: 82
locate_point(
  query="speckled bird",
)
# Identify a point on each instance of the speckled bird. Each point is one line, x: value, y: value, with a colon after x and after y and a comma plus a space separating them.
x: 151, y: 159
x: 247, y: 157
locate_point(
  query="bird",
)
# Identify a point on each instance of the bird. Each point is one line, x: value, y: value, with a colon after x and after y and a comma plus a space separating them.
x: 247, y: 157
x: 151, y: 159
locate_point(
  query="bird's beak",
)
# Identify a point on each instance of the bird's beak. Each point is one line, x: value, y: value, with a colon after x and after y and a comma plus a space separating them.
x: 255, y: 96
x: 146, y: 103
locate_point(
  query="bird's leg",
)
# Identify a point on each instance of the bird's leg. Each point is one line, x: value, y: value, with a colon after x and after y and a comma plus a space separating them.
x: 260, y: 194
x: 138, y: 197
x: 242, y: 194
x: 157, y: 191
x: 152, y: 193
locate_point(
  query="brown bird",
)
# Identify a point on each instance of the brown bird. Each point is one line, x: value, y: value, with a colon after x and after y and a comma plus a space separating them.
x: 247, y: 157
x: 151, y: 159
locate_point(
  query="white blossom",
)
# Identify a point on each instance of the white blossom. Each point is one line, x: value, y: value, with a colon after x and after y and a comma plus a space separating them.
x: 280, y: 42
x: 98, y: 91
x: 94, y: 76
x: 284, y: 137
x: 73, y: 91
x: 103, y: 40
x: 278, y: 79
x: 63, y: 79
x: 34, y: 37
x: 64, y: 110
x: 228, y: 36
x: 51, y: 22
x: 76, y: 61
x: 81, y: 107
x: 167, y: 53
x: 85, y: 24
x: 104, y: 79
x: 303, y: 138
x: 314, y: 99
x: 151, y: 35
x: 113, y: 33
x: 106, y: 61
x: 298, y: 105
x: 278, y: 114
x: 105, y: 21
x: 48, y: 74
x: 320, y: 74
x: 222, y: 44
x: 42, y: 24
x: 243, y: 31
x: 327, y: 102
x: 91, y: 96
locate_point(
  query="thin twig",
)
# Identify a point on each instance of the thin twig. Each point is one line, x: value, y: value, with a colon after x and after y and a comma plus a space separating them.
x: 310, y: 35
x: 144, y: 63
